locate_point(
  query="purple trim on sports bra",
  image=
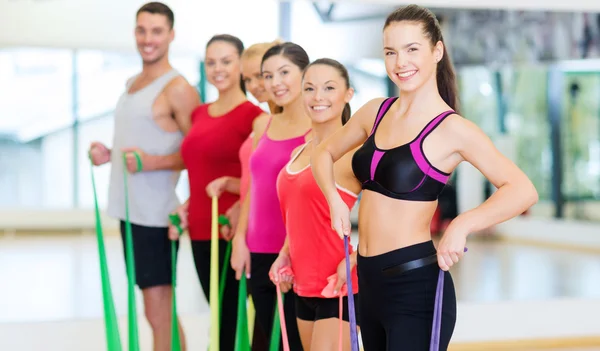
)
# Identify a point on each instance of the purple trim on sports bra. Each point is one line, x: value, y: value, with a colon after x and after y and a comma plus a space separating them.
x: 375, y: 161
x: 382, y: 111
x: 418, y: 155
x: 420, y: 183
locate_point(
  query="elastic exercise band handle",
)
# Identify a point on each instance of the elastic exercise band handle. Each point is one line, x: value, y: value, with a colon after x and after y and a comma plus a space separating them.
x: 223, y: 220
x: 138, y: 159
x: 176, y: 221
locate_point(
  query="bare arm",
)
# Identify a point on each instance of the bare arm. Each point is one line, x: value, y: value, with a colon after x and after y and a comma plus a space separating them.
x: 347, y: 138
x: 232, y: 185
x: 345, y: 175
x: 515, y: 192
x: 259, y: 126
x: 285, y: 250
x: 183, y: 99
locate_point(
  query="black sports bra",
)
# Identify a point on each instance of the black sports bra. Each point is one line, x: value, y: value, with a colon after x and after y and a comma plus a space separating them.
x: 402, y: 172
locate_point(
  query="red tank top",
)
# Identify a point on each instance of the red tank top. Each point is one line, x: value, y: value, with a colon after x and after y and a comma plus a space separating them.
x: 209, y: 151
x: 315, y: 249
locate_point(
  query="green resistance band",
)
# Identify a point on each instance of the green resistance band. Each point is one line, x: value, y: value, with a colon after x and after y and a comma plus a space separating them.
x: 175, y: 340
x: 276, y: 330
x: 242, y: 337
x: 113, y: 338
x: 223, y: 220
x: 134, y: 344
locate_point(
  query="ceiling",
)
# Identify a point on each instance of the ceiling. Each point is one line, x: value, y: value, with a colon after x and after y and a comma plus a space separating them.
x: 108, y: 24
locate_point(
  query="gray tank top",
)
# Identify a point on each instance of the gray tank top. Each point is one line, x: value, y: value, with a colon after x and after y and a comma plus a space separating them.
x: 152, y: 194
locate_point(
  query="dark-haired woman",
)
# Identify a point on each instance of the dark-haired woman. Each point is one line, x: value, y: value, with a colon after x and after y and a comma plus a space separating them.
x: 410, y: 146
x: 209, y: 151
x: 312, y: 247
x: 260, y: 233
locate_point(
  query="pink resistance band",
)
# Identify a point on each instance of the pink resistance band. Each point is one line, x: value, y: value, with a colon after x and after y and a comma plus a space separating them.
x: 284, y: 338
x: 327, y: 292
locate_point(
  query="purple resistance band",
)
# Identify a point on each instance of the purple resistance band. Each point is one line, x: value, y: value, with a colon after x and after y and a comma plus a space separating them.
x: 437, y: 313
x: 351, y: 309
x: 437, y: 309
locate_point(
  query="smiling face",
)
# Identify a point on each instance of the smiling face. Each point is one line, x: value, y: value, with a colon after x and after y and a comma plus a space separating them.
x: 325, y: 93
x: 153, y: 35
x: 222, y: 65
x: 410, y: 59
x: 282, y: 80
x: 253, y: 79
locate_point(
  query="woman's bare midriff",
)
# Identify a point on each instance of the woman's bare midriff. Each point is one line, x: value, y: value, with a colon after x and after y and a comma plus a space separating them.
x: 386, y: 224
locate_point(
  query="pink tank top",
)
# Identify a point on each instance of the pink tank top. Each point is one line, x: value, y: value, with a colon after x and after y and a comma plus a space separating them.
x: 266, y: 231
x: 244, y: 155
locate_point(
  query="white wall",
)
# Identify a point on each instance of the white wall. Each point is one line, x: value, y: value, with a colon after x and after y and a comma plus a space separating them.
x: 109, y: 24
x: 340, y: 41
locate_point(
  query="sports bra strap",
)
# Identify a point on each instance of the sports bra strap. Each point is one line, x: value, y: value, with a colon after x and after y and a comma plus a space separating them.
x: 433, y: 124
x: 383, y: 109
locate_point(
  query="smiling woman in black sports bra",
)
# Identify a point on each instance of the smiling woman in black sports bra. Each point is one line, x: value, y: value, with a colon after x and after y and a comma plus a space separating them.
x: 411, y: 145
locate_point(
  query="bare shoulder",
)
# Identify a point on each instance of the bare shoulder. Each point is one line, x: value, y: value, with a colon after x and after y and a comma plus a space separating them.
x: 460, y: 126
x: 260, y: 123
x: 367, y: 113
x: 463, y: 133
x: 179, y: 90
x: 261, y: 120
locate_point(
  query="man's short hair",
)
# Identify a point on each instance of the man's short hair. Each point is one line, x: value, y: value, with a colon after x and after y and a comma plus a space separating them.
x: 158, y: 8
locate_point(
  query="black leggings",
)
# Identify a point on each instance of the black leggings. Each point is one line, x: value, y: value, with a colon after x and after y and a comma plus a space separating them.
x: 264, y: 296
x: 201, y: 253
x: 396, y: 310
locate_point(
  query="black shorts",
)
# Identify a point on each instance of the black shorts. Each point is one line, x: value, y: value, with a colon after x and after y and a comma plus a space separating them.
x: 152, y: 255
x: 316, y: 308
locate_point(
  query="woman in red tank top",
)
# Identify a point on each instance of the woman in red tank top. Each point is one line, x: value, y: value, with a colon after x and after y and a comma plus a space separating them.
x: 209, y: 151
x: 252, y: 77
x: 312, y: 248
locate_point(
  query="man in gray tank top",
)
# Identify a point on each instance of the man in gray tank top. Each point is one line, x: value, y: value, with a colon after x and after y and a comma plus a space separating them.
x: 151, y: 118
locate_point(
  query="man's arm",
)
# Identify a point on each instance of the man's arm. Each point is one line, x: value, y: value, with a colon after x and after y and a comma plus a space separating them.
x: 183, y: 99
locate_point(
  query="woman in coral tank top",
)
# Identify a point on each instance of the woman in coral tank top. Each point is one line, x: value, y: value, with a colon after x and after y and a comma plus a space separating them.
x: 312, y: 248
